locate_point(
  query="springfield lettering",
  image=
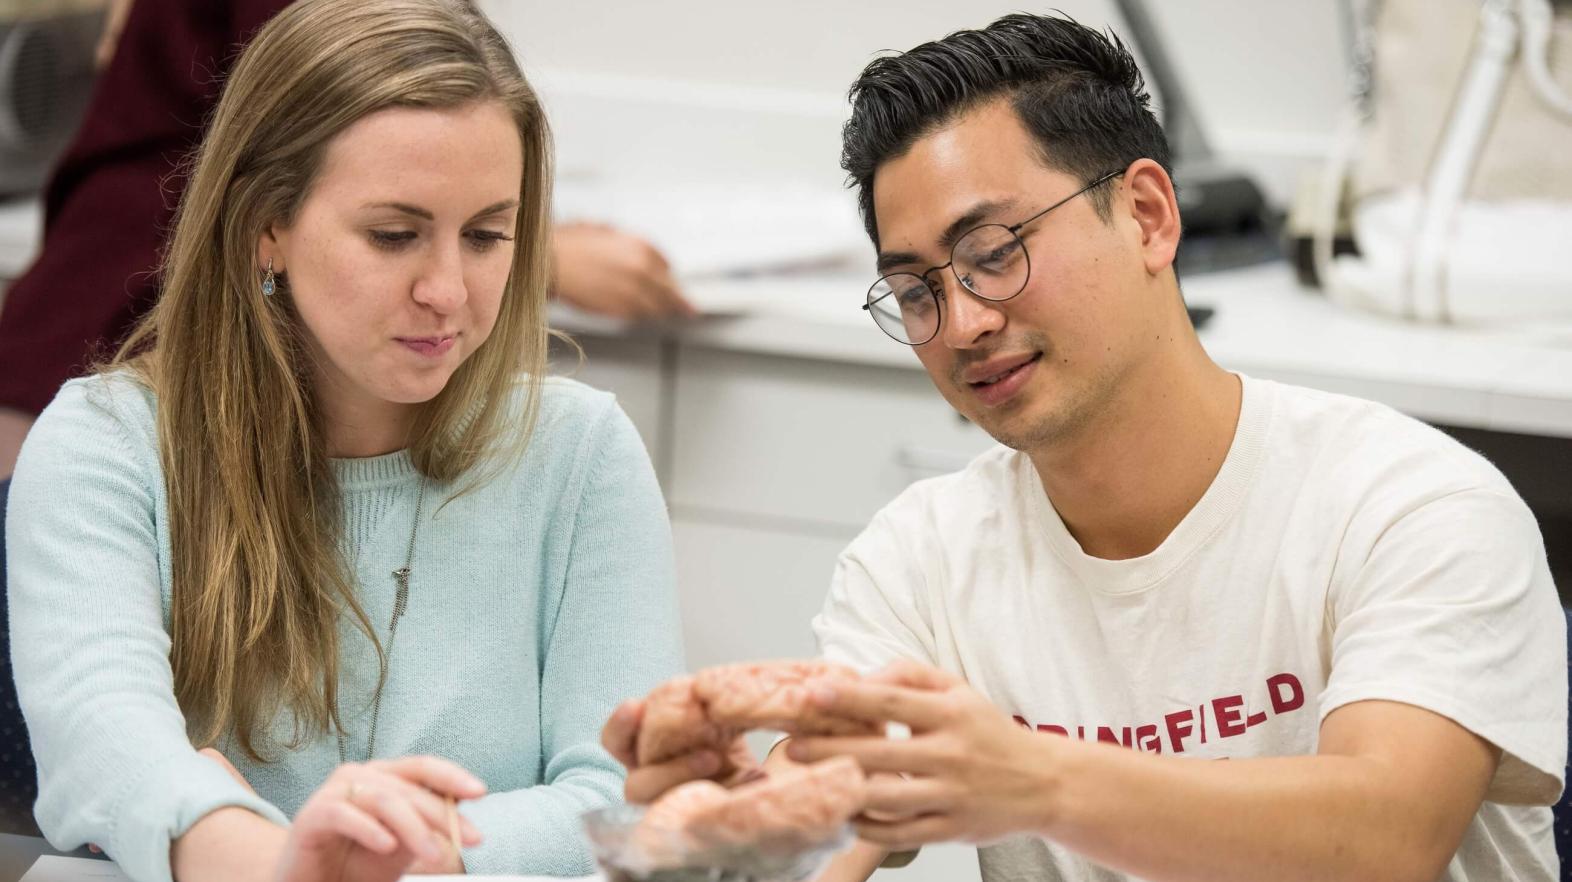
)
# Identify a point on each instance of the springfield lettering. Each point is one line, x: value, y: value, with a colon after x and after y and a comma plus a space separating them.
x: 1222, y: 717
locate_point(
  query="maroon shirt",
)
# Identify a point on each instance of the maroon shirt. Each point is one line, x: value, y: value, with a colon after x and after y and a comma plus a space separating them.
x: 109, y: 203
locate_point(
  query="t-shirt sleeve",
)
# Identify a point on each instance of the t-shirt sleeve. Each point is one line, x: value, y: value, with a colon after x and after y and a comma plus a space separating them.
x: 1453, y: 610
x: 875, y: 612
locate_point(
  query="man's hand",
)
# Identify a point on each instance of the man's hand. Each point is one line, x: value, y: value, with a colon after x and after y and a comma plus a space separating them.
x: 1388, y: 795
x: 606, y: 271
x: 968, y: 772
x: 646, y: 783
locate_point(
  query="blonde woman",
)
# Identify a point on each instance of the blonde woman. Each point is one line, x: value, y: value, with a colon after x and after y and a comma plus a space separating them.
x: 322, y: 522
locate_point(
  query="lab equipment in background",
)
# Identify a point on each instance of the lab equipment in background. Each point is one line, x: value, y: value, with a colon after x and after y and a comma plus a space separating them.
x: 1227, y: 221
x: 46, y: 77
x: 1456, y: 164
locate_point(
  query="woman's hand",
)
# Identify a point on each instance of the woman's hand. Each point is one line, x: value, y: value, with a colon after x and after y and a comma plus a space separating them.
x: 376, y: 821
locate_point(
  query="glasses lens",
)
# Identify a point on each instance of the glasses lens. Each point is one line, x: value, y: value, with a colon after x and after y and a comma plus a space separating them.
x: 905, y: 307
x: 991, y: 262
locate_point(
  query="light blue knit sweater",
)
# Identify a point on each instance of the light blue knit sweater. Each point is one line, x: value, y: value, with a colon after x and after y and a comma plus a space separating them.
x: 536, y: 604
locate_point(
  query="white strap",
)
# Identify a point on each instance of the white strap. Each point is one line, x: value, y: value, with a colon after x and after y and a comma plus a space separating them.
x: 1453, y: 167
x: 1538, y: 22
x: 1329, y: 199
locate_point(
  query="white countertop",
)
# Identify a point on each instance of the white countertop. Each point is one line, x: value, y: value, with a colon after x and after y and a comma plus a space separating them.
x: 1265, y: 325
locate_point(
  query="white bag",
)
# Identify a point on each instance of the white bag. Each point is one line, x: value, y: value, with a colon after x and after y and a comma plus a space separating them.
x: 1460, y: 166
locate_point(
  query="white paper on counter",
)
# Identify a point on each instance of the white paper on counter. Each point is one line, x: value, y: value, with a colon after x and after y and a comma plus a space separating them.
x: 824, y: 297
x: 51, y: 868
x: 721, y: 230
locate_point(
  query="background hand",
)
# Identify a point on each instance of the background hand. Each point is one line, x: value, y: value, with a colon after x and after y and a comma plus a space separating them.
x: 109, y: 38
x: 606, y: 271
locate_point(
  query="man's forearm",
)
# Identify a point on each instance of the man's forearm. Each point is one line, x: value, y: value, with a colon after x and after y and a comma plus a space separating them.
x: 230, y: 844
x: 1289, y: 818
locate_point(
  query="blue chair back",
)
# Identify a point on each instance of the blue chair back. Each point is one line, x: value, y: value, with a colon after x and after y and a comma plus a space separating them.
x: 18, y: 774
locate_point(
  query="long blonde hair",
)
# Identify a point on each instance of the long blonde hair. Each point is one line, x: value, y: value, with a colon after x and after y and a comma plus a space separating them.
x: 259, y: 584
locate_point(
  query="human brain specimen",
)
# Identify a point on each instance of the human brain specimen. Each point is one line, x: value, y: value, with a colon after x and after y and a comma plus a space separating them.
x: 796, y: 808
x: 711, y: 708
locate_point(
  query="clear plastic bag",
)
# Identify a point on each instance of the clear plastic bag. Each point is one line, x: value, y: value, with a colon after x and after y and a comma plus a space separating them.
x: 627, y: 854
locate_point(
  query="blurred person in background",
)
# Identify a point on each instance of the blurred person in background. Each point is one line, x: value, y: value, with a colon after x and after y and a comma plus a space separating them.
x: 109, y: 204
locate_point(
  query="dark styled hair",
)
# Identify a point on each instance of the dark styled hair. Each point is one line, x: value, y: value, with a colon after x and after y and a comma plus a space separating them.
x: 1078, y: 91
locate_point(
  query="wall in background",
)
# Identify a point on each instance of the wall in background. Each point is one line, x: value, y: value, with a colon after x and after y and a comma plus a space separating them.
x: 707, y: 88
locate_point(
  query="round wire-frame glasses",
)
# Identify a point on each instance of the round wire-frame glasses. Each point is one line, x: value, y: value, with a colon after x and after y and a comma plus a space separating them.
x: 990, y: 261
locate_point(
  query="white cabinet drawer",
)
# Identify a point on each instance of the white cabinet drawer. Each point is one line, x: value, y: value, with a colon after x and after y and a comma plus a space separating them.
x: 627, y: 368
x: 749, y: 593
x: 806, y: 441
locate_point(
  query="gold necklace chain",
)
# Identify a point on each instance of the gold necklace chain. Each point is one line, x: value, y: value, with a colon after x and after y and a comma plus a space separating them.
x: 400, y: 604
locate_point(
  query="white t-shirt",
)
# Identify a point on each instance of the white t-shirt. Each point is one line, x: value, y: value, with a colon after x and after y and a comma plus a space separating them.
x: 1343, y: 552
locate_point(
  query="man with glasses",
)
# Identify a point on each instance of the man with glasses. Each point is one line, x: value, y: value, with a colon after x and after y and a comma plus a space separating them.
x: 989, y: 260
x: 1164, y: 561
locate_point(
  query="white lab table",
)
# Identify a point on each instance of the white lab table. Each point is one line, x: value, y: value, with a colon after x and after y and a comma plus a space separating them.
x: 1265, y: 325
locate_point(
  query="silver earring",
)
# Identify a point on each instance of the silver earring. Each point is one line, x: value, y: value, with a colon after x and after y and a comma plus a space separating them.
x: 268, y: 284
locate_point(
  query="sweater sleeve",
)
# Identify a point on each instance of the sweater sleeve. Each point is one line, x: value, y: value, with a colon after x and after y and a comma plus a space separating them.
x: 615, y: 634
x: 89, y: 644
